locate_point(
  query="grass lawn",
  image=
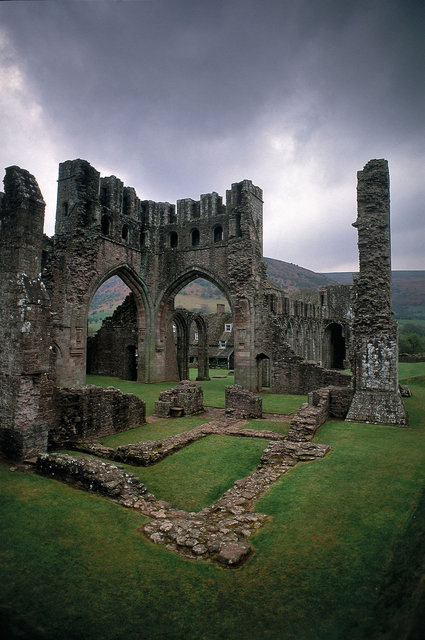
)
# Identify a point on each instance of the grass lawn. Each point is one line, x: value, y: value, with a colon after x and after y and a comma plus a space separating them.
x: 213, y: 391
x: 154, y: 431
x: 338, y: 559
x: 205, y: 470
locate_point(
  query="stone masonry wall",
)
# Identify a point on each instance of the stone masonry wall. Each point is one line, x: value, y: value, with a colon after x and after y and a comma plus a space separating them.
x: 112, y: 351
x: 299, y: 376
x: 26, y: 356
x: 375, y: 349
x: 187, y: 396
x: 90, y: 411
x: 243, y: 403
x: 322, y: 404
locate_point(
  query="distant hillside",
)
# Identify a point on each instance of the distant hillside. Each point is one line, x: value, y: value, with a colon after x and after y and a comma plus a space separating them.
x: 408, y: 289
x: 290, y: 277
x: 104, y: 302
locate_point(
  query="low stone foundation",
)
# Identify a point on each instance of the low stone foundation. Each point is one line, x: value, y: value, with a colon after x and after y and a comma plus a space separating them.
x: 92, y: 475
x: 219, y: 532
x: 93, y: 412
x: 243, y: 403
x: 322, y: 404
x: 187, y: 396
x: 300, y: 376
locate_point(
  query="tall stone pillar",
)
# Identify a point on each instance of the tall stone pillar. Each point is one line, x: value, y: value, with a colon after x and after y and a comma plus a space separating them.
x: 375, y: 350
x: 25, y: 320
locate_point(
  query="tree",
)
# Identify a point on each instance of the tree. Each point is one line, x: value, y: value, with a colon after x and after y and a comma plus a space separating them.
x: 411, y: 343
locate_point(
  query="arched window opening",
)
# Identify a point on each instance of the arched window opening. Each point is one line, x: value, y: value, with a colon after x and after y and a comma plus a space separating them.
x: 195, y: 237
x: 218, y: 233
x: 143, y: 239
x: 112, y: 330
x: 124, y: 233
x: 65, y: 209
x: 263, y: 372
x: 106, y: 225
x: 174, y: 240
x: 205, y: 312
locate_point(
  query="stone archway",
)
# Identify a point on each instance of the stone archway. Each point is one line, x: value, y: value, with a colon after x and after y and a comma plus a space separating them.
x: 71, y: 369
x: 171, y: 346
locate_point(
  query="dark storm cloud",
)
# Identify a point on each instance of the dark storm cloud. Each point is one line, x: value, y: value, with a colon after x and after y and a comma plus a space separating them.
x: 182, y: 97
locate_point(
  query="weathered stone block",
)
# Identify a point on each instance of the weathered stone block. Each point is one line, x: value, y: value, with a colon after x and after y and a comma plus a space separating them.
x: 188, y: 396
x: 242, y: 402
x: 90, y: 411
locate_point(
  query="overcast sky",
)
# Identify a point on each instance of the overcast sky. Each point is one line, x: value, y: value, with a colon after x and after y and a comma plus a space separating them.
x: 183, y: 97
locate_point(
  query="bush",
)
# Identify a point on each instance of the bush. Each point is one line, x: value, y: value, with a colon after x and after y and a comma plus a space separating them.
x: 411, y: 343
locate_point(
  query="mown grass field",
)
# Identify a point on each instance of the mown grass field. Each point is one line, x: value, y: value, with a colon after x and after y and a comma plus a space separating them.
x: 339, y: 558
x: 213, y: 391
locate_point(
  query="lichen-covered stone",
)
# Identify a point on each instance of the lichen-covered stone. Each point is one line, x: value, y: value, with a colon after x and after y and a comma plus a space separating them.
x: 374, y: 358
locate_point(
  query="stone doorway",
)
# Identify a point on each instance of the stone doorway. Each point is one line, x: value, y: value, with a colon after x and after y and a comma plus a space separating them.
x: 263, y: 372
x: 334, y: 349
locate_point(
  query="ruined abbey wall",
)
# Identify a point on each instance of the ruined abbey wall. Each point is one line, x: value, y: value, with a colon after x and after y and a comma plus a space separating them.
x: 104, y: 229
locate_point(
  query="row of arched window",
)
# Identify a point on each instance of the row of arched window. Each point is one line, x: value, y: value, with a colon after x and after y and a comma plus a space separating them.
x: 106, y: 228
x: 195, y: 237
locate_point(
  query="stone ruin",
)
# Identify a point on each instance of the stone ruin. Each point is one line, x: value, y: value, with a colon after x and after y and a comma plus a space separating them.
x: 93, y: 412
x: 187, y: 399
x: 243, y: 403
x: 221, y: 531
x: 374, y: 357
x: 104, y: 229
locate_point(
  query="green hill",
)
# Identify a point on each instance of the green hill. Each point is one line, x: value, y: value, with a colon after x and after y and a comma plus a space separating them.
x: 408, y: 290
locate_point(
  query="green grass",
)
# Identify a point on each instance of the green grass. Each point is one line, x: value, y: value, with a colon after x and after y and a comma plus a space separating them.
x: 205, y: 470
x: 196, y: 476
x: 74, y: 565
x: 213, y: 391
x: 407, y: 370
x: 282, y: 403
x: 154, y: 431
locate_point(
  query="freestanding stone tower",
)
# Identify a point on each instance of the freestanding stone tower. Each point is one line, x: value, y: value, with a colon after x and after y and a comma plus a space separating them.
x: 375, y: 350
x: 25, y: 320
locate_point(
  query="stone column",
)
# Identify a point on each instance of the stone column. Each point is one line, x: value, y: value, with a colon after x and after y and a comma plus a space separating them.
x: 25, y: 321
x: 375, y: 350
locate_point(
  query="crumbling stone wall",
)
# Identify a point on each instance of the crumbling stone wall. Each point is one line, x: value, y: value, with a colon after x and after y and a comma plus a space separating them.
x: 104, y: 229
x: 243, y: 403
x: 113, y: 350
x: 93, y: 412
x: 322, y: 404
x: 187, y: 396
x: 298, y: 376
x: 375, y: 348
x: 157, y: 248
x: 93, y: 475
x: 26, y: 355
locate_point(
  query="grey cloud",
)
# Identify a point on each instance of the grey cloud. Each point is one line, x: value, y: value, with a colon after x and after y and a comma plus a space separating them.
x: 179, y: 97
